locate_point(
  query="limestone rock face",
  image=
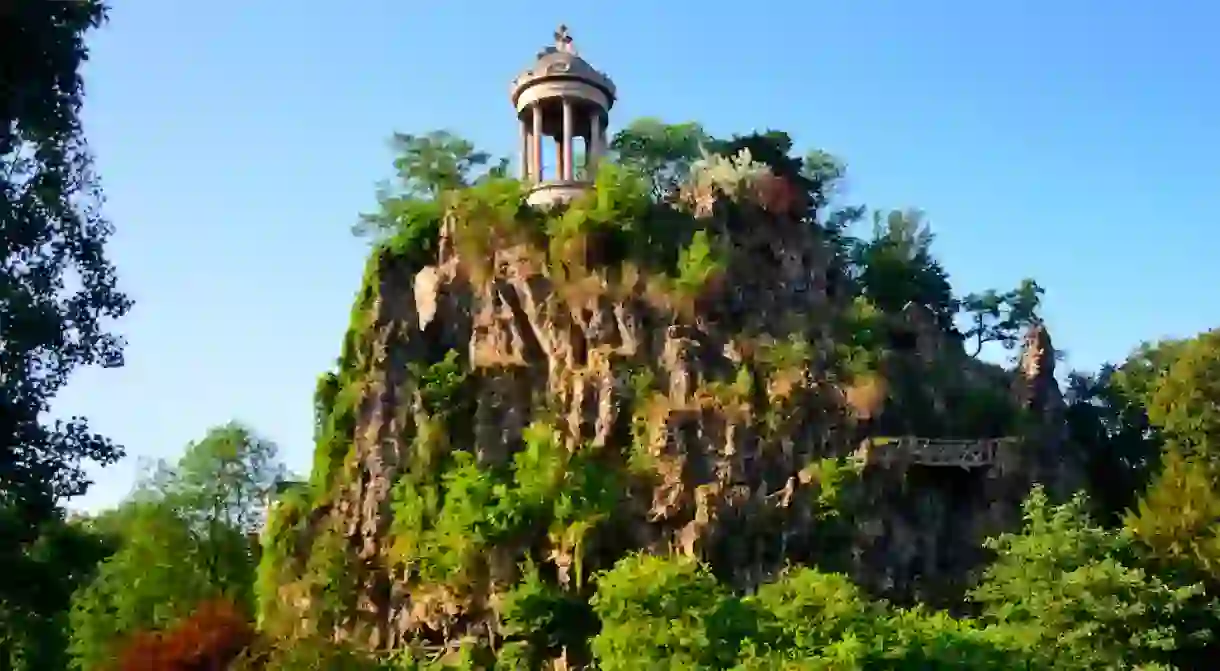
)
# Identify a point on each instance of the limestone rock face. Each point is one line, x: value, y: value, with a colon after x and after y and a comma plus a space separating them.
x: 920, y: 527
x: 733, y: 440
x: 721, y: 489
x: 1051, y: 461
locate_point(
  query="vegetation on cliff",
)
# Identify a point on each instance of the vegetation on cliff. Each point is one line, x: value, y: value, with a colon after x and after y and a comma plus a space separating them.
x: 457, y: 522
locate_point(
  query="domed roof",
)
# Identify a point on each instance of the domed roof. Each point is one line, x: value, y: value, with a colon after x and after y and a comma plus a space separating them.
x: 561, y: 61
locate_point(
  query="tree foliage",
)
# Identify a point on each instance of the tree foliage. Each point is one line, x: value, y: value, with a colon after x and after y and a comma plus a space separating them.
x: 1073, y: 594
x: 896, y: 267
x: 1001, y: 317
x: 222, y: 479
x: 185, y: 539
x: 1110, y: 426
x: 1185, y: 403
x: 63, y: 559
x: 664, y: 152
x: 57, y: 294
x: 1179, y: 515
x: 1173, y: 390
x: 52, y: 231
x: 427, y: 167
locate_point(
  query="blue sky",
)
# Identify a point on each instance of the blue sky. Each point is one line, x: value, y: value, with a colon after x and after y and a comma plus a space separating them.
x: 238, y: 141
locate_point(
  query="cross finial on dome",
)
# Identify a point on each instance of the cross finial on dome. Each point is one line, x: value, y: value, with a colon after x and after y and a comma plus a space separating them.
x: 563, y: 40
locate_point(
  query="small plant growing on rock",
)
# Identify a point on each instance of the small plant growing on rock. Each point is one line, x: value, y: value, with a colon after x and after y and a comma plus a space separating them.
x: 440, y: 384
x: 734, y: 176
x: 698, y: 264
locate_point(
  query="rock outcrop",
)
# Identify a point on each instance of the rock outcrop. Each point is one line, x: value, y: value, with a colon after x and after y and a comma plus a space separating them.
x: 719, y: 408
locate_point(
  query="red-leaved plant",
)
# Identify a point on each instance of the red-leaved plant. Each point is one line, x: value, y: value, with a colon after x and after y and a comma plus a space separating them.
x: 208, y: 640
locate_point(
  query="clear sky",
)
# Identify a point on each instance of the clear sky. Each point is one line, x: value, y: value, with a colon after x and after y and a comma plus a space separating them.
x: 239, y: 139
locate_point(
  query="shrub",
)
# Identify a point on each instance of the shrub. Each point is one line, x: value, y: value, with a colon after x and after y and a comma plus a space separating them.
x: 209, y: 639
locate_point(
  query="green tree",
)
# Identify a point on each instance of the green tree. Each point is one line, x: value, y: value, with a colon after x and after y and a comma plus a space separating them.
x: 827, y: 172
x: 1112, y: 429
x: 1185, y: 402
x: 64, y: 558
x: 220, y: 487
x: 1140, y: 375
x: 1074, y: 595
x: 1179, y: 383
x: 185, y: 537
x: 1178, y: 518
x: 819, y: 176
x: 661, y: 151
x: 223, y: 478
x: 665, y: 154
x: 57, y: 288
x: 51, y: 229
x: 814, y: 620
x: 664, y: 613
x: 427, y: 166
x: 896, y: 266
x: 1001, y: 317
x: 155, y: 578
x: 410, y: 208
x: 1108, y: 417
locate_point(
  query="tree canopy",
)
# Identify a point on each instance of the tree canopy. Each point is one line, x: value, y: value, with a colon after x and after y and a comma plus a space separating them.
x: 58, y: 295
x: 185, y: 537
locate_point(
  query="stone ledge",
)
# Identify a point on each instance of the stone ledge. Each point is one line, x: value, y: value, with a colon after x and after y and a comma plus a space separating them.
x: 556, y: 191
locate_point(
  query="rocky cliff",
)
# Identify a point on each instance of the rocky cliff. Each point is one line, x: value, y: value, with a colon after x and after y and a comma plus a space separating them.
x: 531, y: 396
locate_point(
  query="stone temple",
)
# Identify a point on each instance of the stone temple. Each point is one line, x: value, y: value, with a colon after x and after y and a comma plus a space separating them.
x: 563, y: 98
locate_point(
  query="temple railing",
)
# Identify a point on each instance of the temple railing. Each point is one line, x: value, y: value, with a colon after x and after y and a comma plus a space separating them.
x: 980, y: 453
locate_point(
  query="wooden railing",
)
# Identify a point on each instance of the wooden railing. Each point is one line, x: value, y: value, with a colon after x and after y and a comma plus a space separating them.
x: 932, y: 451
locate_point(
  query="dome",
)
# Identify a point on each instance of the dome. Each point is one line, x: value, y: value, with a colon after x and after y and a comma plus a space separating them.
x: 561, y: 62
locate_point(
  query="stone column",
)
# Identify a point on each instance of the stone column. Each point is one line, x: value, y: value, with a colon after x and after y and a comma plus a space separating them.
x: 594, y: 150
x: 523, y: 151
x: 536, y: 145
x: 560, y: 171
x: 568, y: 173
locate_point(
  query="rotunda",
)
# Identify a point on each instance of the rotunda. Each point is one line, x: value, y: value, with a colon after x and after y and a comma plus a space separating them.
x: 561, y: 97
